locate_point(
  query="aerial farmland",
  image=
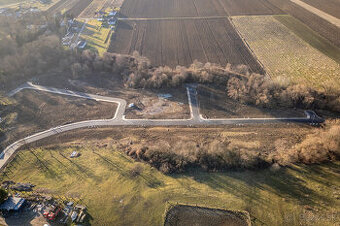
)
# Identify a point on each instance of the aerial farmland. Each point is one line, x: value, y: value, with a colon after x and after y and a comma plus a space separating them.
x: 170, y: 112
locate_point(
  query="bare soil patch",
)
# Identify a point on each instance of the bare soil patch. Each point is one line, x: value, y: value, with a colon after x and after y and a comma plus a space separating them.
x: 180, y: 42
x: 150, y: 104
x: 34, y: 111
x: 214, y: 103
x: 181, y: 215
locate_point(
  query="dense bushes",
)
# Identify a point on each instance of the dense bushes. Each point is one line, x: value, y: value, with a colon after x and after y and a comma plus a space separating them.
x: 241, y: 84
x: 215, y: 156
x: 259, y: 90
x: 218, y: 155
x: 321, y: 146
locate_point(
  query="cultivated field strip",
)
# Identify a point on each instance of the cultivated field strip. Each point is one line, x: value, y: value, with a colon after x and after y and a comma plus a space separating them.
x: 97, y: 5
x: 250, y: 7
x: 171, y: 8
x: 331, y: 7
x: 72, y: 7
x: 61, y: 5
x: 285, y: 54
x: 321, y: 26
x: 180, y: 42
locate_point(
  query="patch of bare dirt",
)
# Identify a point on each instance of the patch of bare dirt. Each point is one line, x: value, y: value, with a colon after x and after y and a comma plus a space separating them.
x: 34, y: 111
x: 181, y: 215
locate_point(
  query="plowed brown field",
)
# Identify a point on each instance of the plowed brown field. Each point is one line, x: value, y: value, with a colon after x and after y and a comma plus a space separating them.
x: 171, y: 8
x: 180, y: 42
x: 250, y: 7
x: 331, y: 7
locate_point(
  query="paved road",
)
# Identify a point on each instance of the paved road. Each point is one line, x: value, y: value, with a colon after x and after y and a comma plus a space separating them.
x: 119, y: 119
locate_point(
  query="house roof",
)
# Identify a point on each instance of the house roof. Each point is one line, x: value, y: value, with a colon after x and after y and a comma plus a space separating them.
x: 12, y: 203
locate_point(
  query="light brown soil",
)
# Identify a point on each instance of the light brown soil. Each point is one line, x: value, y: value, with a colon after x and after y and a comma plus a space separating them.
x: 150, y: 105
x: 34, y: 111
x: 181, y: 215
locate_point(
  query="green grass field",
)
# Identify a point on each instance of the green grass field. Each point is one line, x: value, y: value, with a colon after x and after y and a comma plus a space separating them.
x: 97, y: 37
x: 288, y: 49
x: 101, y: 177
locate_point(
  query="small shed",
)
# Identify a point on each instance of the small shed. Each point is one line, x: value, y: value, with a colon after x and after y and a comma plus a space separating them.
x: 12, y: 203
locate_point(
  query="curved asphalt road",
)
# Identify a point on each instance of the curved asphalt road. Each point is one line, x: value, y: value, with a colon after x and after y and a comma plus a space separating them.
x: 119, y: 119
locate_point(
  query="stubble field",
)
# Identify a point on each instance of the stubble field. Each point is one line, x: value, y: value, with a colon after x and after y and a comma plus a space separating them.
x: 286, y: 56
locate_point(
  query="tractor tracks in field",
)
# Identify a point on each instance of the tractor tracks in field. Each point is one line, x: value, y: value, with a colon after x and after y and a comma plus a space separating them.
x: 172, y: 18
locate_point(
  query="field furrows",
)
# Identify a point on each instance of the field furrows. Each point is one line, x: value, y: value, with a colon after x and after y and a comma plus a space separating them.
x: 95, y: 6
x: 62, y: 5
x: 321, y: 26
x: 78, y: 7
x: 171, y: 8
x: 180, y: 42
x: 250, y: 7
x: 331, y: 7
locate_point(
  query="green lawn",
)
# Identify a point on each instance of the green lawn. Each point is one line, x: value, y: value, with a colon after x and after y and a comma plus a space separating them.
x: 101, y: 178
x: 290, y: 50
x: 97, y: 37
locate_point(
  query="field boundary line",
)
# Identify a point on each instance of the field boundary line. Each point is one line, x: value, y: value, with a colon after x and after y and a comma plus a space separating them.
x: 331, y: 19
x: 230, y: 19
x: 172, y: 18
x: 266, y: 71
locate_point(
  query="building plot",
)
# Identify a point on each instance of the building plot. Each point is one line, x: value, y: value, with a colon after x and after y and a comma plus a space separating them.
x: 285, y: 55
x: 180, y: 42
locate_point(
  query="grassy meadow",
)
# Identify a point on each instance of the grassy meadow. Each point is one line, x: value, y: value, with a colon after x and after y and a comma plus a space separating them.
x: 119, y: 191
x: 291, y: 51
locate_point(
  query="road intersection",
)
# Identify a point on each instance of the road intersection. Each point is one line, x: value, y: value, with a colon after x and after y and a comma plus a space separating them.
x: 119, y: 119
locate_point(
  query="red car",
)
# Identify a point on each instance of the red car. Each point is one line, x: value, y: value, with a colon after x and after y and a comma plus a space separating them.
x: 52, y: 212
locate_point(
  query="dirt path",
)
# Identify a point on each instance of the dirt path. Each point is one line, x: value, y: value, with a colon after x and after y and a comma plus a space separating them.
x: 323, y: 15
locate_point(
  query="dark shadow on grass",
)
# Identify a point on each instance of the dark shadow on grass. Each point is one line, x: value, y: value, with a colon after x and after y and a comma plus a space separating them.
x: 84, y: 170
x: 281, y: 182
